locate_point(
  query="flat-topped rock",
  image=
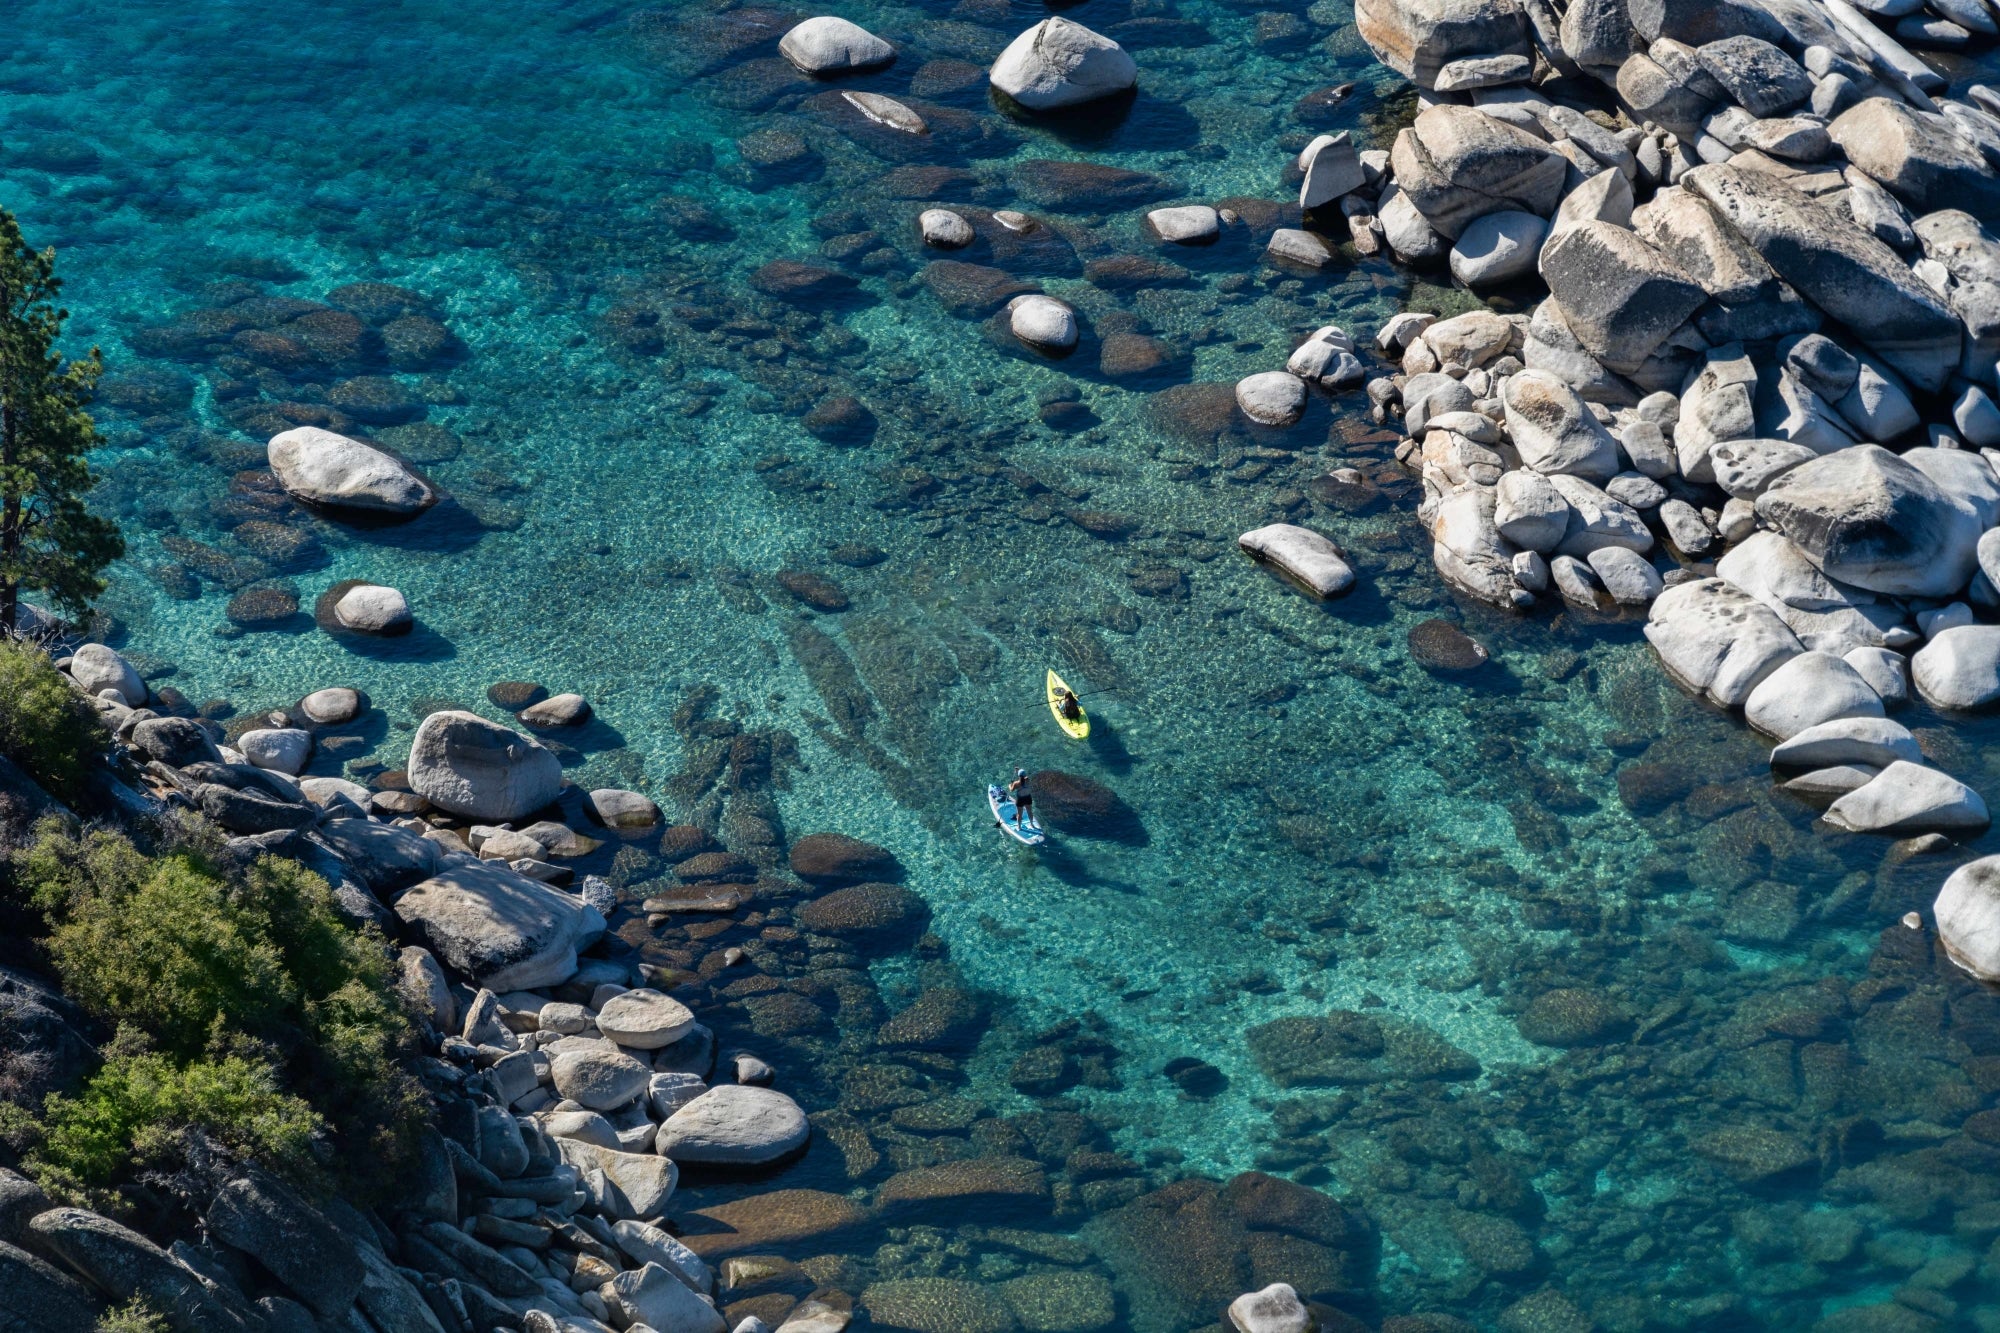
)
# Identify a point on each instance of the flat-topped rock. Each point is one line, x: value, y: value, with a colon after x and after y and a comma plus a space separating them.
x: 338, y: 472
x: 735, y: 1125
x: 644, y: 1019
x: 772, y: 1219
x: 644, y: 1181
x: 1306, y: 556
x: 332, y: 706
x: 1187, y: 224
x: 502, y: 930
x: 1419, y: 38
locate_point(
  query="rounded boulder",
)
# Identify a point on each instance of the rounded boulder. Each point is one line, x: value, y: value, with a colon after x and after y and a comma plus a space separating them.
x: 467, y: 766
x: 835, y: 858
x: 645, y: 1020
x: 1058, y: 63
x: 735, y: 1125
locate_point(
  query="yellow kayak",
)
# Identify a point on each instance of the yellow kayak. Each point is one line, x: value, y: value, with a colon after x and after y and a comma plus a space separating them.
x: 1080, y: 727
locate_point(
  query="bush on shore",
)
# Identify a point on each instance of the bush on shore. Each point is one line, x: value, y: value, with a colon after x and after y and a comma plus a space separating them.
x: 46, y: 727
x: 250, y: 1015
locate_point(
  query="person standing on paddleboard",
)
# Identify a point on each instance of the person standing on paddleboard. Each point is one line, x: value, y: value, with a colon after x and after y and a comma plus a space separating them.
x: 1024, y: 800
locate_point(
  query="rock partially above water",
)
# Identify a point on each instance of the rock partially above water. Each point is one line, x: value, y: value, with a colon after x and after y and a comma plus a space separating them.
x: 1042, y: 322
x: 503, y: 930
x: 1967, y: 911
x: 337, y: 472
x: 644, y: 1020
x: 468, y: 766
x: 1909, y: 798
x: 944, y: 229
x: 370, y: 608
x: 1058, y: 63
x: 735, y: 1125
x: 828, y: 45
x: 1188, y: 224
x: 1310, y: 559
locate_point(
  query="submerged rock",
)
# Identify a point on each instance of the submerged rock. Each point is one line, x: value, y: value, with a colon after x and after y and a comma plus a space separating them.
x: 1070, y: 803
x: 1439, y: 645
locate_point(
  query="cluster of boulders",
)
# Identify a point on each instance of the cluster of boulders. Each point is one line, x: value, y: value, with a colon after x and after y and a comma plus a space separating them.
x: 1759, y: 396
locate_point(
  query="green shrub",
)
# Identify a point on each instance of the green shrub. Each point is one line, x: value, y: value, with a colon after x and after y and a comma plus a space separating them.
x: 231, y: 979
x: 45, y: 725
x: 136, y: 1112
x: 134, y: 1316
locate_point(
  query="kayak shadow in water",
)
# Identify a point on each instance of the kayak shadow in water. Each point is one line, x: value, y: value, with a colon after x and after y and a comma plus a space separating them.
x: 1107, y: 747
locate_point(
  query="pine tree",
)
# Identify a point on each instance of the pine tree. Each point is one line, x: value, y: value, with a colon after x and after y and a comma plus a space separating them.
x: 49, y: 542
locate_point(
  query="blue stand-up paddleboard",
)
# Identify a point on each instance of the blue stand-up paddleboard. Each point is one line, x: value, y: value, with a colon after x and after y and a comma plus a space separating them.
x: 1003, y: 814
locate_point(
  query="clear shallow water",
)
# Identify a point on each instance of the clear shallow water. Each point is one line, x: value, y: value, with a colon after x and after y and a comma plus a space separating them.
x: 1321, y: 824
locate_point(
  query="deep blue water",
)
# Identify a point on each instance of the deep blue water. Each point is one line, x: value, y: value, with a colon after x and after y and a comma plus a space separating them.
x: 1318, y: 822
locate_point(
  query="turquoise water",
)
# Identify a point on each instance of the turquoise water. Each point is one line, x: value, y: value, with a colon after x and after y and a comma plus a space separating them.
x: 1318, y: 823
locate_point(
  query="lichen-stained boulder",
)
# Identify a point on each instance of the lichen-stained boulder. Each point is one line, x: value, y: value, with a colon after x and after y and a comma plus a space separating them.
x: 1457, y: 163
x: 1848, y: 274
x: 36, y: 1297
x: 1918, y: 157
x: 502, y: 930
x: 1468, y: 550
x: 337, y: 472
x: 1718, y: 640
x: 463, y: 764
x: 1553, y: 430
x: 1417, y: 38
x: 1698, y: 22
x: 1619, y: 296
x: 122, y: 1264
x: 1867, y: 517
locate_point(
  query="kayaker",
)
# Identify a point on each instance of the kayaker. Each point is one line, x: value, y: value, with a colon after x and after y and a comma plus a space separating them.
x: 1024, y: 800
x: 1067, y: 705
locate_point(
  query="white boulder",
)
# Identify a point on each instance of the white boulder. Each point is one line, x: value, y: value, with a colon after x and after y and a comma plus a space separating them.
x: 323, y: 468
x: 1967, y: 912
x: 944, y: 229
x: 96, y: 668
x: 1717, y: 640
x: 735, y: 1125
x: 1875, y: 741
x: 1909, y: 798
x: 1959, y: 668
x: 829, y: 45
x: 644, y: 1020
x: 1807, y: 690
x: 1185, y: 224
x: 463, y: 764
x: 1042, y: 321
x: 1058, y: 63
x: 371, y: 608
x: 1303, y: 554
x: 281, y: 749
x: 1273, y: 398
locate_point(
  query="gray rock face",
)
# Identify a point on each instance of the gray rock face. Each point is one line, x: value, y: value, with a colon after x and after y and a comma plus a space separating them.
x: 280, y: 749
x: 1468, y: 550
x: 1697, y: 22
x: 1967, y: 912
x: 1332, y: 169
x: 1853, y: 277
x: 468, y: 766
x: 1919, y: 159
x: 390, y: 1302
x: 121, y: 1264
x: 1042, y: 321
x: 1418, y: 38
x: 332, y: 706
x: 1758, y: 77
x: 600, y: 1079
x: 1654, y: 92
x: 503, y: 930
x: 37, y: 1298
x: 1626, y: 575
x: 175, y: 741
x: 332, y: 470
x: 644, y: 1019
x: 656, y: 1298
x: 735, y: 1125
x: 1597, y: 521
x: 1619, y: 296
x: 1303, y: 554
x: 1959, y: 668
x: 382, y: 856
x: 1718, y: 640
x: 1806, y: 691
x: 827, y: 45
x: 1688, y: 233
x: 1058, y: 63
x: 267, y: 1221
x: 644, y: 1182
x: 1457, y: 163
x: 1909, y: 798
x: 1868, y: 518
x: 1745, y: 468
x: 1554, y: 430
x: 618, y: 808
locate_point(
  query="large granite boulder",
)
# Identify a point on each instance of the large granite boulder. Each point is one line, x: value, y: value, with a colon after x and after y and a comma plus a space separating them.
x: 1718, y: 640
x: 1418, y: 38
x: 122, y: 1264
x: 267, y: 1221
x: 337, y: 472
x: 36, y: 1297
x: 96, y: 668
x: 1850, y: 275
x: 1959, y: 668
x: 835, y: 858
x: 1806, y: 691
x: 1868, y: 518
x: 1058, y: 63
x: 463, y: 764
x: 1918, y: 157
x: 1553, y: 429
x: 1908, y: 798
x: 830, y: 45
x: 502, y: 930
x: 1967, y: 912
x: 1619, y: 296
x: 1456, y: 163
x: 735, y: 1125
